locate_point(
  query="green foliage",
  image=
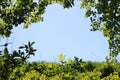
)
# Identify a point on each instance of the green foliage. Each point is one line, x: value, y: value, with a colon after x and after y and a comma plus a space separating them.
x: 62, y: 58
x: 16, y: 12
x: 66, y: 71
x: 107, y: 69
x: 10, y: 61
x: 113, y: 76
x: 89, y: 76
x: 72, y: 69
x: 105, y: 17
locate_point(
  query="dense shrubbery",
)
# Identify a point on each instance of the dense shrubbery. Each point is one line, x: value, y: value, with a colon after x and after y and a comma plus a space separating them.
x: 16, y: 67
x: 72, y: 69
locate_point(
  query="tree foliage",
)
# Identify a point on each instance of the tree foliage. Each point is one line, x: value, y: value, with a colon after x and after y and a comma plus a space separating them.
x: 9, y: 61
x: 72, y: 69
x: 105, y: 17
x: 15, y: 12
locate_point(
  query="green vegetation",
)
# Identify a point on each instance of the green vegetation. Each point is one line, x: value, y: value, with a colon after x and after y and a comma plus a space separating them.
x: 10, y: 61
x: 72, y: 69
x: 104, y: 16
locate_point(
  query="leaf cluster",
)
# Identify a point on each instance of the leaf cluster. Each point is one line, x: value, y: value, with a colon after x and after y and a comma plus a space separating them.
x: 16, y: 12
x: 9, y: 61
x: 70, y: 70
x: 105, y: 17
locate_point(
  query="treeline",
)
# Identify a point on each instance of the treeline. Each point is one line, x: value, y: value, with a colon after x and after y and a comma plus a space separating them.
x: 16, y: 66
x: 72, y: 69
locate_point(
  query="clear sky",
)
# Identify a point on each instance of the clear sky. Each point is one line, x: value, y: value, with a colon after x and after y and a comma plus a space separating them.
x: 64, y: 31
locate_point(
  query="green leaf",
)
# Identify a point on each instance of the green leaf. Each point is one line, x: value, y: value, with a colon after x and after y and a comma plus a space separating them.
x: 21, y: 47
x: 32, y: 43
x: 61, y: 57
x: 6, y: 52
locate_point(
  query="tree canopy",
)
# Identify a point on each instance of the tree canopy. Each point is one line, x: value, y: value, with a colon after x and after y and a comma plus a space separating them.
x: 104, y: 16
x: 15, y: 12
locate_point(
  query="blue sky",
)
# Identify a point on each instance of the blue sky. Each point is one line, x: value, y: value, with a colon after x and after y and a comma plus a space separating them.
x: 64, y: 31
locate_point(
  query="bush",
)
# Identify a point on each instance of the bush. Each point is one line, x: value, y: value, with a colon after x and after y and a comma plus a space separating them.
x: 69, y: 70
